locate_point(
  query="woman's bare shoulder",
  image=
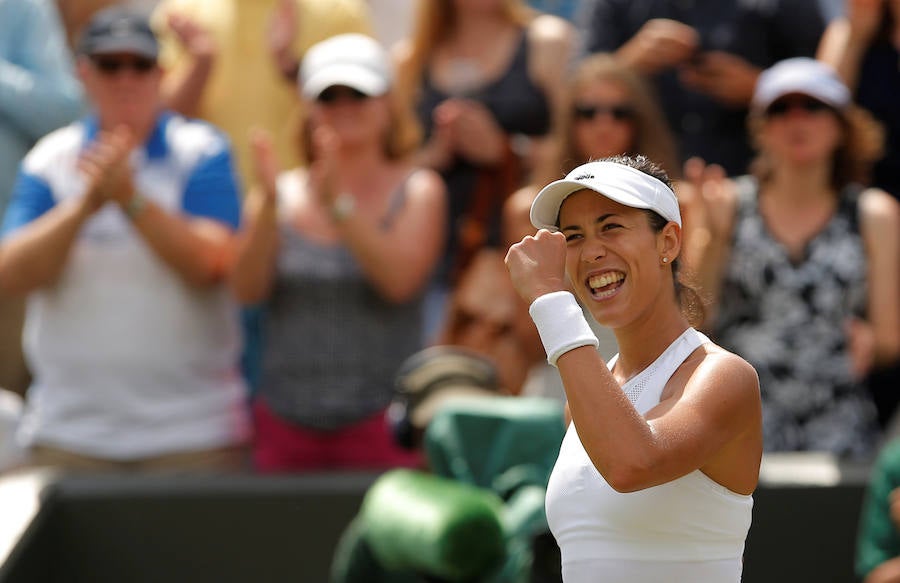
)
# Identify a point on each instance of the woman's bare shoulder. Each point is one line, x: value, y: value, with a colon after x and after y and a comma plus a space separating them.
x: 879, y: 210
x: 725, y: 369
x: 424, y: 181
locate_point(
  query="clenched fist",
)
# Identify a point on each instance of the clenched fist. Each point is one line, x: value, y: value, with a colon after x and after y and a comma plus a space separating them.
x: 537, y: 264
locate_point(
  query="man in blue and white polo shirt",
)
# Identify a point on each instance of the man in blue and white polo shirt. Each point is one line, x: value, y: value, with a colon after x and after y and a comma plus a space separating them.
x: 119, y: 232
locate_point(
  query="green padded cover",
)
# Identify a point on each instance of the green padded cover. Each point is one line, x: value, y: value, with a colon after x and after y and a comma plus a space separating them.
x: 500, y: 443
x: 429, y: 524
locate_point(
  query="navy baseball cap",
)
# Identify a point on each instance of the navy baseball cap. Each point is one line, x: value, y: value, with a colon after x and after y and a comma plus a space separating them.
x: 119, y: 29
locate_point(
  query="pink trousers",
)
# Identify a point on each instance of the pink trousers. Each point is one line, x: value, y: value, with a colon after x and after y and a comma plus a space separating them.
x: 281, y: 446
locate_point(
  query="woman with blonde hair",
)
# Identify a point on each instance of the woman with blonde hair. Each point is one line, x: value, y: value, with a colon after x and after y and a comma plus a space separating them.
x: 339, y: 252
x: 485, y: 76
x: 800, y: 262
x: 609, y: 110
x: 603, y: 86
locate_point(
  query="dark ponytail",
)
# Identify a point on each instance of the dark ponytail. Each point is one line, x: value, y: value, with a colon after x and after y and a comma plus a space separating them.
x: 686, y: 293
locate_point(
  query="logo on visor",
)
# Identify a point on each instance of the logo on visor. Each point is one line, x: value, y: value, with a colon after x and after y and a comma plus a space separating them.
x: 584, y: 177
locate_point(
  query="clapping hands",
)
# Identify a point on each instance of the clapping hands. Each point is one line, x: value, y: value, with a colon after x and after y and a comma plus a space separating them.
x: 707, y: 202
x: 106, y: 167
x: 265, y: 163
x: 467, y: 129
x: 324, y: 169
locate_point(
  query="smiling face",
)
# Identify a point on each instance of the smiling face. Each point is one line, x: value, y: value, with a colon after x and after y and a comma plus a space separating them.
x: 614, y: 259
x: 123, y: 87
x: 800, y: 130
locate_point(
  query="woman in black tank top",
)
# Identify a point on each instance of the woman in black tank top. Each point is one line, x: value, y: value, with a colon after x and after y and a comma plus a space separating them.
x: 485, y: 77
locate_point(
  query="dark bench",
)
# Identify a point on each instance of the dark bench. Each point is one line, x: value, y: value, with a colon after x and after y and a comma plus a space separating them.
x: 273, y: 529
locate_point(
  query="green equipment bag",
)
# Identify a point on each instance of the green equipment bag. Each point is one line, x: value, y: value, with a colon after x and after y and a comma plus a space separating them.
x: 429, y: 524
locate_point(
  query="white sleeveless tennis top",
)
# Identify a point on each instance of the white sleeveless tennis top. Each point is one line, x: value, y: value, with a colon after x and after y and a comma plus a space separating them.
x: 691, y: 529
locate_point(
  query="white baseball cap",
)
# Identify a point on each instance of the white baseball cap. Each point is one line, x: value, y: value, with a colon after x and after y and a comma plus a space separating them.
x: 618, y: 182
x: 352, y: 60
x: 800, y: 75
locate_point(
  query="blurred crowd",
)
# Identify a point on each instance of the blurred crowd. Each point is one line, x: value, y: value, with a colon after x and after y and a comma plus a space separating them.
x: 227, y: 224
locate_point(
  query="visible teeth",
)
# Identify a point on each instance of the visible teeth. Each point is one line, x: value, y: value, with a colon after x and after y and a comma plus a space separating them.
x: 600, y: 281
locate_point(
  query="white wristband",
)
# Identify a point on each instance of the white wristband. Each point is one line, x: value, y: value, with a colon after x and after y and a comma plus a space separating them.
x: 561, y: 324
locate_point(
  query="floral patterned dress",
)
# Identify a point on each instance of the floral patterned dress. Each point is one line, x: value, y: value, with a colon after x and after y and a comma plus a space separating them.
x: 788, y: 319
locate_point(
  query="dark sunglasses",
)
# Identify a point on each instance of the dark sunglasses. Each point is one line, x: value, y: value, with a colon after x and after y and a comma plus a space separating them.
x: 113, y: 65
x: 807, y: 104
x: 335, y: 93
x: 618, y: 112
